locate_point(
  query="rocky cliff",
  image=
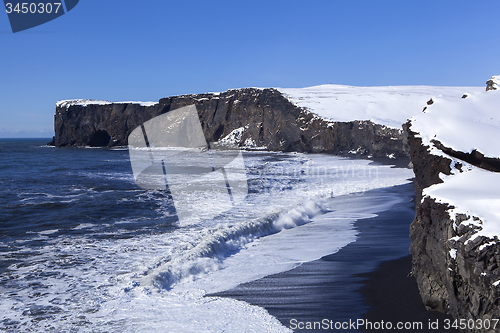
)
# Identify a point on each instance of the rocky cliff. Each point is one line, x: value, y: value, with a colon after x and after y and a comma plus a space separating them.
x: 246, y: 118
x: 455, y: 250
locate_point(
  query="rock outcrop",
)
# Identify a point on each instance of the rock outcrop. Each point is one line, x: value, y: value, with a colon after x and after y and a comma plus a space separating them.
x: 250, y: 118
x: 457, y: 269
x: 492, y: 84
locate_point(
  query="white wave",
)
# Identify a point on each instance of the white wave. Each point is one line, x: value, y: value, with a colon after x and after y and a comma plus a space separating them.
x: 84, y: 226
x: 48, y: 232
x: 208, y: 254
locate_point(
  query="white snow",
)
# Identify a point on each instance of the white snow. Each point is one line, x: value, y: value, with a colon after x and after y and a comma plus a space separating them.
x: 250, y: 143
x: 453, y: 254
x: 465, y: 124
x: 390, y: 105
x: 234, y: 137
x: 482, y: 247
x: 496, y: 283
x: 85, y: 102
x: 140, y: 103
x: 475, y: 193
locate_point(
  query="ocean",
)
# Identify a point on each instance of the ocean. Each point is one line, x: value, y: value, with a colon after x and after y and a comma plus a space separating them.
x: 85, y: 249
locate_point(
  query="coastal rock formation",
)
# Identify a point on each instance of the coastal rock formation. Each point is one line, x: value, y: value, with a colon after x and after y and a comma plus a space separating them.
x: 492, y: 84
x: 246, y: 118
x: 454, y: 243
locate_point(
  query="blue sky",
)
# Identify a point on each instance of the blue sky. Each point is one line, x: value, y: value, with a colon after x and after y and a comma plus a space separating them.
x: 146, y: 50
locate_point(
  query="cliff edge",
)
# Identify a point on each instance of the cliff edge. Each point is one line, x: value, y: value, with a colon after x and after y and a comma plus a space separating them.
x: 246, y: 118
x: 455, y: 234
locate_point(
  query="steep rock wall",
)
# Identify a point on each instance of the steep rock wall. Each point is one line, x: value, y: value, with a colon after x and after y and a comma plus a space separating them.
x: 461, y: 284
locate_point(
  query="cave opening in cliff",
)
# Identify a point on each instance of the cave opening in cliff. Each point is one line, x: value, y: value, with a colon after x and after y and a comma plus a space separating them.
x: 100, y: 138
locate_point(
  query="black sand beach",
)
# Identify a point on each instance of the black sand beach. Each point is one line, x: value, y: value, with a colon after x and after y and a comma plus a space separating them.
x: 366, y: 280
x: 393, y: 296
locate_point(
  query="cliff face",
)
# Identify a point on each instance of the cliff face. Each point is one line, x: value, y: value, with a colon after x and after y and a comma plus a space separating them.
x: 455, y: 261
x: 462, y: 286
x: 251, y: 118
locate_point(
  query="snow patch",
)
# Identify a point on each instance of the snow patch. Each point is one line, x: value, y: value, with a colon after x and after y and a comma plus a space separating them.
x: 453, y: 254
x: 474, y: 192
x: 482, y: 247
x: 233, y: 138
x: 140, y: 103
x: 356, y: 151
x: 250, y: 143
x: 85, y: 102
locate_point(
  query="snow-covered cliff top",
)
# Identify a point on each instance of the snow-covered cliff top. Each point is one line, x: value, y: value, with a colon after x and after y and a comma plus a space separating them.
x: 474, y: 192
x: 85, y: 102
x: 390, y: 106
x: 464, y: 125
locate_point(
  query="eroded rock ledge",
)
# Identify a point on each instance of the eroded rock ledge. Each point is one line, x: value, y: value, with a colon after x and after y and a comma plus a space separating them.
x: 462, y: 286
x: 266, y: 119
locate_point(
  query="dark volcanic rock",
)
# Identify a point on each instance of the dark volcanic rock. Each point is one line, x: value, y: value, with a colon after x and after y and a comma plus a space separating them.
x: 474, y: 157
x: 492, y: 84
x: 99, y: 125
x: 425, y: 166
x: 268, y: 118
x: 461, y: 286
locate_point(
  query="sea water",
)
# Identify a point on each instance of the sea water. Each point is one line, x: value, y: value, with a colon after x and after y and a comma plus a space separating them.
x: 84, y: 249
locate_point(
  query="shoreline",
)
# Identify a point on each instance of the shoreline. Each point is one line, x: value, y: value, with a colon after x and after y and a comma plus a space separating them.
x: 351, y: 283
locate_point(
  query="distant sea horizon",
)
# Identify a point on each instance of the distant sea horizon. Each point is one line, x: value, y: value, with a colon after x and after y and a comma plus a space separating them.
x: 26, y: 136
